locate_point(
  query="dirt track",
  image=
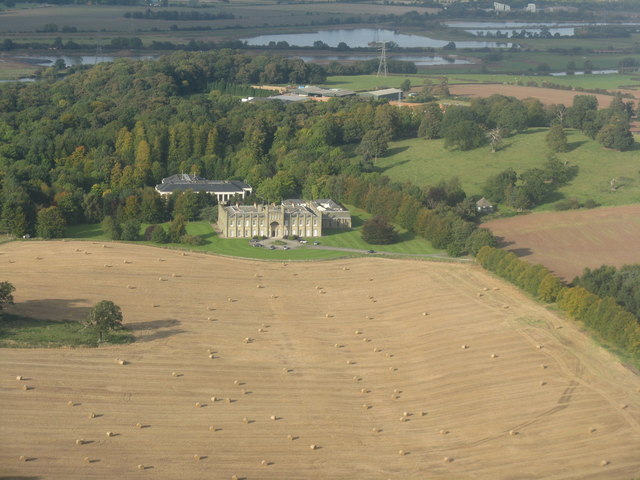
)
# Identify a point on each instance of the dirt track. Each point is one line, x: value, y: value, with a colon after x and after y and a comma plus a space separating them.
x: 321, y: 394
x: 567, y: 242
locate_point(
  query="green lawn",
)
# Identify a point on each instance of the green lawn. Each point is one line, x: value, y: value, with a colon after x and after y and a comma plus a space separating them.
x: 21, y: 332
x: 369, y: 82
x: 409, y: 243
x: 426, y: 162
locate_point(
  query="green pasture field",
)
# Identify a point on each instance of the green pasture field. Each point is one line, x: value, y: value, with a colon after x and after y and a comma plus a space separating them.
x: 607, y: 82
x: 369, y: 82
x: 22, y: 332
x: 363, y: 83
x: 427, y: 162
x: 408, y: 244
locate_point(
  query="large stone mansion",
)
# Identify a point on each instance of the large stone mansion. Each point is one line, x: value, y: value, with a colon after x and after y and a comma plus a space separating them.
x: 292, y: 217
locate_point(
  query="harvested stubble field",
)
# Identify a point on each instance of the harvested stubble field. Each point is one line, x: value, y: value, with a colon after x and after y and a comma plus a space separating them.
x: 388, y: 396
x: 548, y: 96
x: 567, y: 242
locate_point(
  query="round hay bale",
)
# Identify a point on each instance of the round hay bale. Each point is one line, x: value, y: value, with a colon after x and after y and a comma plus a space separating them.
x: 543, y: 366
x: 19, y: 377
x: 406, y: 414
x: 356, y: 378
x: 350, y: 362
x: 485, y: 289
x: 423, y: 414
x: 392, y: 369
x: 543, y: 383
x: 260, y: 330
x: 366, y: 340
x: 376, y: 349
x: 447, y: 459
x: 196, y: 457
x: 214, y: 399
x: 86, y: 460
x: 365, y: 406
x: 174, y: 374
x: 138, y: 425
x: 402, y: 453
x: 234, y: 477
x: 513, y: 432
x: 264, y: 463
x: 22, y: 458
x: 424, y: 314
x: 479, y: 294
x: 592, y: 430
x: 70, y: 403
x: 494, y: 355
x: 110, y: 434
x: 236, y: 382
x: 212, y: 356
x: 212, y: 428
x: 313, y: 447
x: 358, y: 332
x: 198, y: 405
x: 228, y: 400
x: 289, y: 437
x: 92, y: 415
x: 464, y: 347
x: 273, y: 417
x: 141, y: 467
x: 245, y: 420
x: 604, y: 463
x: 79, y: 441
x: 538, y: 347
x: 443, y: 432
x: 403, y: 419
x: 26, y: 387
x: 624, y: 407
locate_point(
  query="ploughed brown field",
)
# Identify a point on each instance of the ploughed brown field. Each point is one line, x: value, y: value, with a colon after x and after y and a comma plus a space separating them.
x: 567, y: 242
x: 361, y: 358
x: 548, y: 96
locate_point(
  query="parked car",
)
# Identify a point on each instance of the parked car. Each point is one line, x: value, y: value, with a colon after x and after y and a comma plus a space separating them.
x: 316, y: 243
x: 272, y: 247
x: 286, y: 247
x: 371, y: 251
x: 302, y: 241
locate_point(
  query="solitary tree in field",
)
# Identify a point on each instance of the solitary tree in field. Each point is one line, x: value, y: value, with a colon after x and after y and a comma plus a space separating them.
x: 5, y: 294
x: 557, y: 139
x: 495, y: 138
x: 378, y: 231
x: 105, y: 316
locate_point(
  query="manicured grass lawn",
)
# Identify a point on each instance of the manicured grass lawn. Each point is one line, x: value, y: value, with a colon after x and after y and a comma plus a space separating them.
x: 214, y: 244
x: 409, y: 243
x: 426, y: 162
x: 16, y: 331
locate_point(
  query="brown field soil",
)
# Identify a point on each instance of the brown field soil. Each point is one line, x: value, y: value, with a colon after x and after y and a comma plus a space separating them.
x: 331, y: 376
x: 567, y: 242
x: 547, y: 96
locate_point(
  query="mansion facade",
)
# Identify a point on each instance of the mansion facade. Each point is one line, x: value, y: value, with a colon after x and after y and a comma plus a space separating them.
x: 292, y: 217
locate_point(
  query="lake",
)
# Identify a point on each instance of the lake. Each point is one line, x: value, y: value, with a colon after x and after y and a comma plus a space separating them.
x: 362, y: 37
x: 71, y: 60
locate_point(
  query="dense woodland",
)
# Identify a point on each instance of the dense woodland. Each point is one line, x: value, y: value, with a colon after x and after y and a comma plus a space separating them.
x: 93, y: 144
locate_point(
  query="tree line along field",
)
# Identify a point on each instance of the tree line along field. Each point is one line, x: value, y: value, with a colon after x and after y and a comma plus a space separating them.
x: 389, y: 369
x: 426, y: 162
